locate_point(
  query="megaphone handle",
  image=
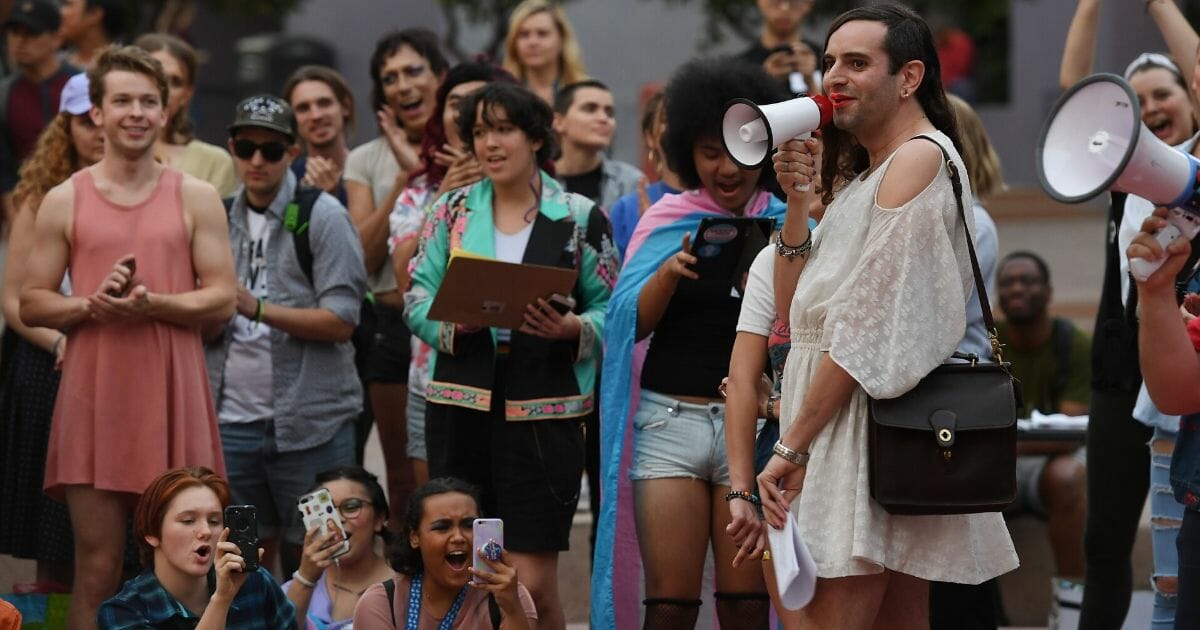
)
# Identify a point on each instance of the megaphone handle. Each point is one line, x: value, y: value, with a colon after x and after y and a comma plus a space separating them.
x: 803, y: 187
x: 1142, y: 268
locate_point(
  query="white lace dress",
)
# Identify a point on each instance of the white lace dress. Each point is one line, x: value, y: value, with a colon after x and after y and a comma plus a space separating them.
x: 884, y: 293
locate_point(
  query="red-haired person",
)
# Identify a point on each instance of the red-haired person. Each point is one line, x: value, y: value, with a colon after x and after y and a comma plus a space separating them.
x: 180, y: 529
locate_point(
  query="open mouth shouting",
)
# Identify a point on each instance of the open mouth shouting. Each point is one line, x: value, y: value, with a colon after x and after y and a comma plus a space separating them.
x: 457, y: 560
x: 1162, y: 128
x: 203, y: 554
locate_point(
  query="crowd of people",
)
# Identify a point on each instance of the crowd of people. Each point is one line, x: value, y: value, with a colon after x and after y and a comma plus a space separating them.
x: 193, y: 326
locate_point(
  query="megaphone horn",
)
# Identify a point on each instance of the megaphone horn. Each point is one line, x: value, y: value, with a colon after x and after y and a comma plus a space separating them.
x: 1095, y: 141
x: 750, y: 131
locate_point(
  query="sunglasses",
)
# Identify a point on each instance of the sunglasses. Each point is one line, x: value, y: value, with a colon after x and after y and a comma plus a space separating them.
x: 271, y: 151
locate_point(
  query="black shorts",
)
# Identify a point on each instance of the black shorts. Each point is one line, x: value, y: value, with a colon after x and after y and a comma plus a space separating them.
x: 529, y: 471
x: 390, y: 352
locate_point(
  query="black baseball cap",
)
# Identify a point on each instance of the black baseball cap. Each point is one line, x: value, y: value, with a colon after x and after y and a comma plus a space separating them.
x: 39, y: 16
x: 266, y: 111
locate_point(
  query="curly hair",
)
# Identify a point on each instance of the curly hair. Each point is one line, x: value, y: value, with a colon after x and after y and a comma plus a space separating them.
x: 406, y: 559
x: 179, y: 128
x: 570, y: 60
x: 695, y: 105
x: 524, y: 110
x: 908, y: 38
x: 53, y: 160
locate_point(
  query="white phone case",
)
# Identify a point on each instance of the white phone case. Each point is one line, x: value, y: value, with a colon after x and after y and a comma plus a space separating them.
x: 316, y: 508
x: 486, y: 530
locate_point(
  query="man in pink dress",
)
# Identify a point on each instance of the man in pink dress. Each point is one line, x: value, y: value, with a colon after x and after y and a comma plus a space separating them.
x: 147, y: 251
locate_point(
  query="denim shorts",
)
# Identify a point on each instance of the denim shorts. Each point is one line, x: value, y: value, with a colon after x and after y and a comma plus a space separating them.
x: 674, y: 439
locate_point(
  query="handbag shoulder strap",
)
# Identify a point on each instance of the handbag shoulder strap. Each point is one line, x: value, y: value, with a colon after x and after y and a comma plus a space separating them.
x: 980, y: 286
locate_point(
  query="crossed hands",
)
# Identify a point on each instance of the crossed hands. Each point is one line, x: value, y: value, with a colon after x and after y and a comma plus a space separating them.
x: 118, y: 298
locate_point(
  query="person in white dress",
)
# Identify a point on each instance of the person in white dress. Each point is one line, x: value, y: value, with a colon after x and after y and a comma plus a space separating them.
x: 877, y: 299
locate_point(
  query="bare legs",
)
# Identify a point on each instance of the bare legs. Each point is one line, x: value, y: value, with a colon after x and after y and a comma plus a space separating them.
x: 98, y: 518
x: 539, y: 573
x: 676, y: 520
x: 389, y: 402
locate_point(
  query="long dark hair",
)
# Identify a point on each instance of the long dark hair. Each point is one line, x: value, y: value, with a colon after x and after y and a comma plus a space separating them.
x: 406, y: 559
x: 908, y: 38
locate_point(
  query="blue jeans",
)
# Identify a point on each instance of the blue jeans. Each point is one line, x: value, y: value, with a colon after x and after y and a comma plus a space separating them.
x: 1166, y: 514
x: 261, y: 476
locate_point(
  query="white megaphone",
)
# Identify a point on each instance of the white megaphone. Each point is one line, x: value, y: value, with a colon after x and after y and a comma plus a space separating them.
x: 1095, y: 141
x: 750, y: 132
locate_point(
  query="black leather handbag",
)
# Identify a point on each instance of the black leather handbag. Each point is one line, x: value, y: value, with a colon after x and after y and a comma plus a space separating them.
x: 949, y: 445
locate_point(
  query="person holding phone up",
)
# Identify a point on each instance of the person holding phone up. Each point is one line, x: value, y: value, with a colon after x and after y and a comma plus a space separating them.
x: 505, y: 407
x: 194, y: 576
x: 328, y: 584
x: 435, y: 585
x: 678, y: 465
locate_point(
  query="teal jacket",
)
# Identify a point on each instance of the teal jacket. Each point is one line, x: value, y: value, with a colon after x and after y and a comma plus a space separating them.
x: 546, y: 379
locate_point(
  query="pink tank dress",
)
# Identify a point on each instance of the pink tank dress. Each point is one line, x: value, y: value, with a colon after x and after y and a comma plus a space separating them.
x: 134, y: 399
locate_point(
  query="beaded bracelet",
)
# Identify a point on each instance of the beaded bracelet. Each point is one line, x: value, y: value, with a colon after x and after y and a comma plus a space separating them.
x: 303, y: 581
x: 789, y: 251
x: 743, y: 495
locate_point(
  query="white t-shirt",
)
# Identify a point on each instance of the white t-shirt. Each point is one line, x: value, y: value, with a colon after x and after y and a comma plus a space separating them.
x: 247, y: 395
x: 758, y: 302
x: 511, y: 248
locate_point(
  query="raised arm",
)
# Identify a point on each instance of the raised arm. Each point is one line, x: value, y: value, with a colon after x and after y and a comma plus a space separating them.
x: 212, y: 258
x: 1170, y: 365
x: 41, y: 303
x: 1080, y: 51
x: 795, y: 166
x: 1182, y: 40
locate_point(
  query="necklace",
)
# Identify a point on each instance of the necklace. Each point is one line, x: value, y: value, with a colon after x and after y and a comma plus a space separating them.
x: 414, y: 605
x: 356, y: 593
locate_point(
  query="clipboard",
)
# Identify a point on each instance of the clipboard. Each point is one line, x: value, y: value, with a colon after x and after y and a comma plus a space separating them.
x: 725, y: 247
x: 483, y: 292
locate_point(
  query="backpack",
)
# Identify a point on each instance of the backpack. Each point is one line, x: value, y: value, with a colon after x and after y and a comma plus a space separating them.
x: 389, y: 585
x: 295, y: 220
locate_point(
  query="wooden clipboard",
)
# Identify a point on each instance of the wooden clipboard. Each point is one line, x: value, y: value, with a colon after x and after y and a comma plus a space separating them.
x: 486, y: 292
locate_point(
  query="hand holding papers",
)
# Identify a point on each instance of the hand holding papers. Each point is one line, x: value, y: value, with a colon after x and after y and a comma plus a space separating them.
x: 795, y: 569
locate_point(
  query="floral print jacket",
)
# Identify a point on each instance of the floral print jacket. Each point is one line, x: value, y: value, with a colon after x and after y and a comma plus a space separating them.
x: 546, y: 379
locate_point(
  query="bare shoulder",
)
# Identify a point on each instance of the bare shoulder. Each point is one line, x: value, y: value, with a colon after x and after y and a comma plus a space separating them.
x: 916, y: 164
x: 59, y: 203
x: 200, y: 198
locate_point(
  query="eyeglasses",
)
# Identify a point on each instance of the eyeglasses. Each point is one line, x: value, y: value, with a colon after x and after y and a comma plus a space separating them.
x: 351, y: 507
x: 271, y: 151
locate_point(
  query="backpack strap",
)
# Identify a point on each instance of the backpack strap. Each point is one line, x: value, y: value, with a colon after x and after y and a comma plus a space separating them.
x: 296, y: 218
x: 389, y: 585
x: 494, y: 612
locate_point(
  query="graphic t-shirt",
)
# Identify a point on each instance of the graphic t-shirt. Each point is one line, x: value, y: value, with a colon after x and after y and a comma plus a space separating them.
x: 247, y: 395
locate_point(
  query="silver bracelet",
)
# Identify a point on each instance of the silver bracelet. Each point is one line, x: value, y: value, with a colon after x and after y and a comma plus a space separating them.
x: 799, y: 459
x: 788, y: 251
x: 303, y: 581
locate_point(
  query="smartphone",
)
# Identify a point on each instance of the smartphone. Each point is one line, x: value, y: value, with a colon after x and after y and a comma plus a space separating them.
x: 488, y: 535
x: 242, y: 521
x: 316, y: 508
x: 132, y: 264
x: 562, y: 303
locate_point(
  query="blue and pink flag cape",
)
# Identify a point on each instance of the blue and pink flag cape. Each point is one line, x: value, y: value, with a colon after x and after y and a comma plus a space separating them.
x: 616, y: 571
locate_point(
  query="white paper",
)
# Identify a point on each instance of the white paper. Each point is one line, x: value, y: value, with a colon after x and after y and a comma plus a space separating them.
x: 795, y: 569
